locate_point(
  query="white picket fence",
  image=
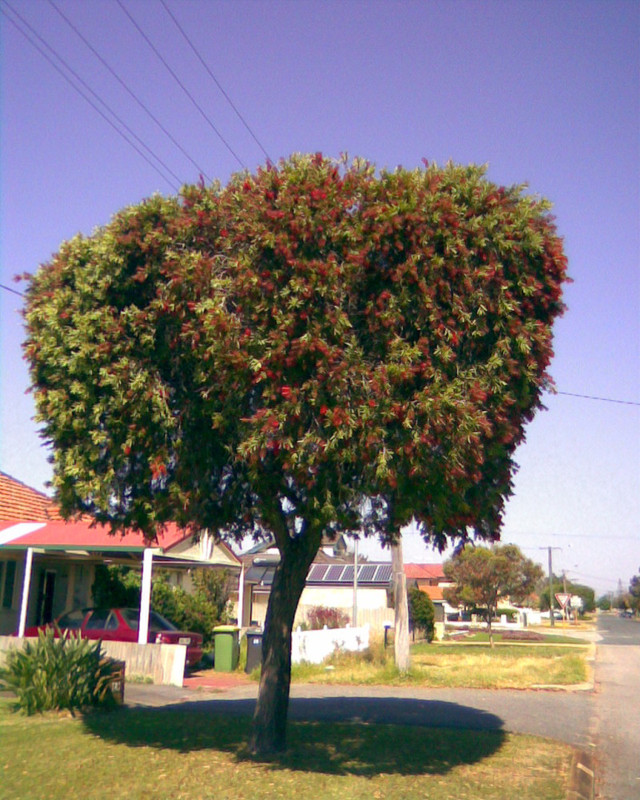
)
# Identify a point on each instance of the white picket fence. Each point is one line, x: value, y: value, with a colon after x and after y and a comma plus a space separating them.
x: 315, y: 646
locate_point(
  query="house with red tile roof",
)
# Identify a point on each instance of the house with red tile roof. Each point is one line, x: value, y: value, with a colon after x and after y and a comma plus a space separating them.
x: 431, y: 580
x: 47, y: 565
x: 19, y: 502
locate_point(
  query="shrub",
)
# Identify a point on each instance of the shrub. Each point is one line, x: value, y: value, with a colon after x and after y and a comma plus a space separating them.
x: 58, y: 673
x: 319, y: 616
x: 200, y: 612
x: 510, y: 613
x: 421, y: 612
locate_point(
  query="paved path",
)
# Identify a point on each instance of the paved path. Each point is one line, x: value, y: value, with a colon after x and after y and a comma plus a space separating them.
x: 616, y: 721
x: 557, y: 714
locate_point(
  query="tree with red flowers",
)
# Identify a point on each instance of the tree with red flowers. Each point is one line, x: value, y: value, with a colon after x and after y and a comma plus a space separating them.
x: 311, y: 349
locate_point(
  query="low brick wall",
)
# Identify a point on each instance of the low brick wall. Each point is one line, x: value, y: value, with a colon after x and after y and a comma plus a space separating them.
x: 163, y: 663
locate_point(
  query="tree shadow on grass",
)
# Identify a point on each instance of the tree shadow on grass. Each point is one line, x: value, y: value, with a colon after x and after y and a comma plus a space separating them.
x: 431, y: 739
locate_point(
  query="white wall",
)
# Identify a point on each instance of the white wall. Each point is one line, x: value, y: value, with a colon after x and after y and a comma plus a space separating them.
x: 342, y: 597
x: 315, y: 646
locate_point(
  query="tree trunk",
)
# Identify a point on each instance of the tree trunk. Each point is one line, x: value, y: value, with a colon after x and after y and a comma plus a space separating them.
x: 401, y: 638
x: 269, y: 727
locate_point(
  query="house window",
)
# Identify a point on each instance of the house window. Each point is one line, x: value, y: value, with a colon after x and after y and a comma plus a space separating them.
x: 8, y: 583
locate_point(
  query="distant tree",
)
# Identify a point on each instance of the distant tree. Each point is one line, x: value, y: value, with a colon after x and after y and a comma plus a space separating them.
x: 561, y: 586
x: 604, y: 602
x: 585, y: 593
x: 483, y: 576
x: 312, y: 349
x: 623, y: 601
x: 634, y: 592
x: 422, y: 613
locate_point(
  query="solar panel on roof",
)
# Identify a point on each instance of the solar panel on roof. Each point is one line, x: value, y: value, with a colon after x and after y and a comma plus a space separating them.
x: 347, y: 575
x: 334, y: 573
x: 383, y: 574
x: 317, y: 572
x: 367, y: 572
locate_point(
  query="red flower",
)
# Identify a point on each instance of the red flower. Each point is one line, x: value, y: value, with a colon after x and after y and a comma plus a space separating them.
x: 285, y: 391
x: 323, y: 410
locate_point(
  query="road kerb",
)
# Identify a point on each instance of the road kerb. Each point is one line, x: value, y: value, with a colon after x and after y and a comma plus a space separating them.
x: 581, y: 776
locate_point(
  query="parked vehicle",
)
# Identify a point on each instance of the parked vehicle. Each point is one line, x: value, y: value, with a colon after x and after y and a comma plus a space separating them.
x: 626, y: 612
x: 121, y: 625
x: 556, y: 614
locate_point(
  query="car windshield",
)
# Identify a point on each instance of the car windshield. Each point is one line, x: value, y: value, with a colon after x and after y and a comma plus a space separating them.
x: 156, y: 621
x: 73, y: 619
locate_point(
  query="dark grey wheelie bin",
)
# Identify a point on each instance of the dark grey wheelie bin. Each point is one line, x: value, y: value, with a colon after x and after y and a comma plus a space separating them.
x: 254, y: 649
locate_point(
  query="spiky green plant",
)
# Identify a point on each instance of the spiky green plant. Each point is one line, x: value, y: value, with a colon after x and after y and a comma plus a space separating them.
x: 58, y: 672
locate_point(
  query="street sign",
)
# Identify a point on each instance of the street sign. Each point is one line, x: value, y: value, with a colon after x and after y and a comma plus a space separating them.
x: 563, y: 599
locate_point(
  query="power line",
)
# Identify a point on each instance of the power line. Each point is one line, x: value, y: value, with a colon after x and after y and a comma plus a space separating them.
x: 601, y: 399
x: 175, y: 187
x: 576, y: 536
x: 9, y: 289
x: 128, y: 90
x: 181, y: 84
x: 213, y: 78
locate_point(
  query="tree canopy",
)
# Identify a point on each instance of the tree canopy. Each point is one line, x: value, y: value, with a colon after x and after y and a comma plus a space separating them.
x: 482, y: 576
x: 313, y: 348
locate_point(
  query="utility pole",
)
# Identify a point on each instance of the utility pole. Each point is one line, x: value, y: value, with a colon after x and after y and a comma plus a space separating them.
x: 354, y: 616
x: 401, y: 633
x: 551, y: 617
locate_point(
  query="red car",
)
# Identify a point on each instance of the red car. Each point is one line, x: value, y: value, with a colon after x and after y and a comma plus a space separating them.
x: 121, y: 625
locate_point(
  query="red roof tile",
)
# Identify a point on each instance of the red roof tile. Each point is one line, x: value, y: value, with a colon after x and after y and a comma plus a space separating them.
x: 19, y: 502
x: 424, y: 571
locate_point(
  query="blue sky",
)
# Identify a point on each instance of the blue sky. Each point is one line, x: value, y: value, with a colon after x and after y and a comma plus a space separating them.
x: 546, y: 93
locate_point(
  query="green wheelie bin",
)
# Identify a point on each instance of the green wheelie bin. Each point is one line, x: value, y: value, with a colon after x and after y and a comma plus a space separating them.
x: 226, y: 647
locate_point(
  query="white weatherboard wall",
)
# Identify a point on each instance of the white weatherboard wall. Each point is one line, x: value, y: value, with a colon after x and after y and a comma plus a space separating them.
x: 315, y: 646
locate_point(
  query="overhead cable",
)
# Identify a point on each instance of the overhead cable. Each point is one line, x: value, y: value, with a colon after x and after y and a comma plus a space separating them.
x: 181, y: 84
x: 601, y: 399
x: 214, y: 79
x: 128, y: 90
x: 9, y: 289
x: 174, y: 186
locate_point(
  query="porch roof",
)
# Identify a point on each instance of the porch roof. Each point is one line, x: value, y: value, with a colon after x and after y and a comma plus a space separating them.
x: 83, y: 537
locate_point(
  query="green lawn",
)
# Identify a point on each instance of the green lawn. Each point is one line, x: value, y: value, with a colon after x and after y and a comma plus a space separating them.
x: 442, y: 665
x: 147, y: 754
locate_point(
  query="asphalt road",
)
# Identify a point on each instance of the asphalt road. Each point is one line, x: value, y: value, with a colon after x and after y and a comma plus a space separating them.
x: 616, y: 719
x: 557, y: 714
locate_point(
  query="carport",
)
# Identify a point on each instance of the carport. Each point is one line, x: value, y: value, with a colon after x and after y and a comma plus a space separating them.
x: 82, y: 543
